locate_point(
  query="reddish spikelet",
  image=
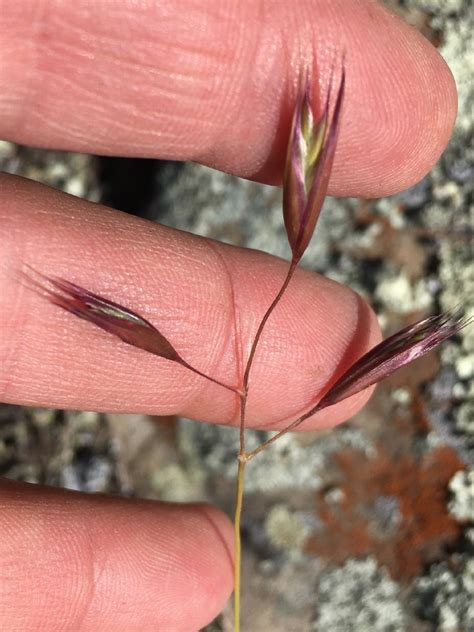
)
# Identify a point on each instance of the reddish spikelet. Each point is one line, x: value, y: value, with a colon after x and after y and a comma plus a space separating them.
x: 406, y: 345
x: 309, y: 162
x: 113, y: 318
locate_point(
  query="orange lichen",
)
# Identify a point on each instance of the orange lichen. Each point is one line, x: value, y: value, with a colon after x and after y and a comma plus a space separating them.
x: 415, y: 487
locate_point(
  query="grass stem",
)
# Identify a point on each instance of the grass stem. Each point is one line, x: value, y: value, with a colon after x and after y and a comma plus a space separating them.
x: 237, y: 542
x: 243, y: 456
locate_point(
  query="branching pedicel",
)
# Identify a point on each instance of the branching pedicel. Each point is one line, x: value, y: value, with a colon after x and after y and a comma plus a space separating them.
x: 309, y: 160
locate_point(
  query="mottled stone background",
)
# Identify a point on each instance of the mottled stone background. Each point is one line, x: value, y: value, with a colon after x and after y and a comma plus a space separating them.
x: 366, y: 527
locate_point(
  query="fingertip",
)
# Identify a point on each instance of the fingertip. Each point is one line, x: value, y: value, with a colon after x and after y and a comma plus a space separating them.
x: 226, y: 95
x: 399, y: 108
x: 220, y: 578
x: 364, y: 333
x: 400, y: 111
x: 172, y: 563
x: 71, y: 561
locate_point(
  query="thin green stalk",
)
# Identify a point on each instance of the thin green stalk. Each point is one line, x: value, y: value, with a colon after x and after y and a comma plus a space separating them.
x: 237, y: 542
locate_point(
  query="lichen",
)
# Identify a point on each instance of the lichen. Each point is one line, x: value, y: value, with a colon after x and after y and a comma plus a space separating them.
x: 462, y: 488
x: 286, y: 530
x: 398, y: 294
x: 287, y: 464
x: 445, y: 596
x: 359, y: 596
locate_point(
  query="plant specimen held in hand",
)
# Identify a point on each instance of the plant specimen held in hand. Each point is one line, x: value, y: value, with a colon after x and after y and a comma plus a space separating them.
x: 310, y: 154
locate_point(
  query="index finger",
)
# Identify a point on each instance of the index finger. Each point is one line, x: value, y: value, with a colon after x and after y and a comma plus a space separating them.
x: 215, y: 83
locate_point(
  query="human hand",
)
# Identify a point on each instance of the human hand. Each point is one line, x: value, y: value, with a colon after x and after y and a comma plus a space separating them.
x: 104, y: 80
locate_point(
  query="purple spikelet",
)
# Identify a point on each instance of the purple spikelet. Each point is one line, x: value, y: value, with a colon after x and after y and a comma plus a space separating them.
x: 309, y: 161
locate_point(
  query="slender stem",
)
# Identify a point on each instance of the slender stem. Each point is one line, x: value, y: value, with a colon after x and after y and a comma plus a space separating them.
x: 239, y: 498
x: 234, y: 389
x: 242, y: 454
x: 291, y: 269
x: 250, y: 455
x: 243, y: 406
x: 237, y: 542
x: 246, y: 379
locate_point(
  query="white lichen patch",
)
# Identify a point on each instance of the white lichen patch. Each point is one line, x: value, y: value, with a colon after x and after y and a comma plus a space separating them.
x: 173, y: 483
x: 359, y: 596
x: 286, y: 529
x: 402, y: 396
x: 287, y: 464
x: 462, y: 488
x: 465, y: 367
x: 445, y: 597
x: 7, y: 150
x: 397, y: 293
x: 465, y: 418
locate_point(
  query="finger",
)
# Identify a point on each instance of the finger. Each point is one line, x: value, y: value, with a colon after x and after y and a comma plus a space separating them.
x: 206, y: 298
x: 80, y: 562
x: 215, y: 83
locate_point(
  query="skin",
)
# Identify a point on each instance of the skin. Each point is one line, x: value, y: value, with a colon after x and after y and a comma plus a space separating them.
x: 180, y: 80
